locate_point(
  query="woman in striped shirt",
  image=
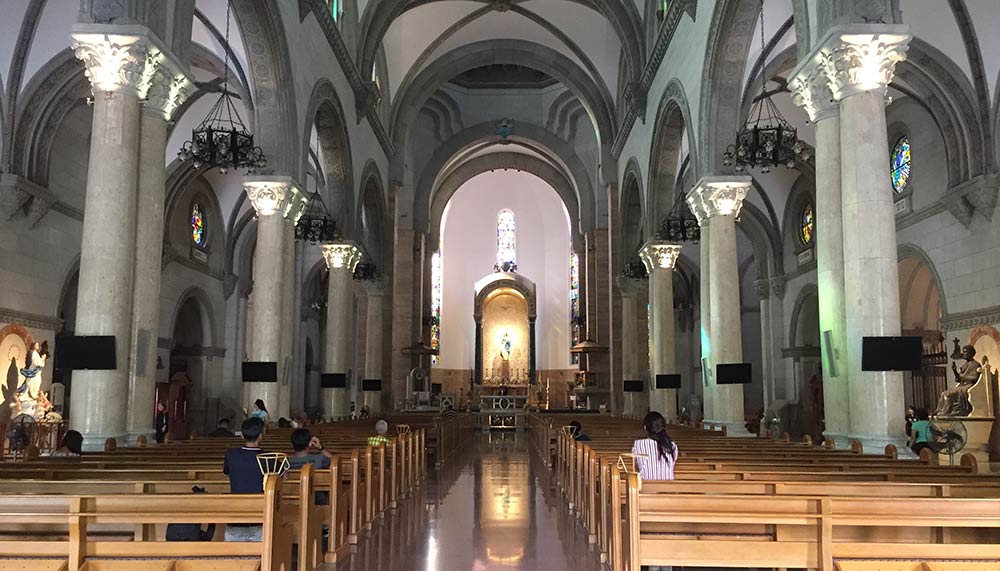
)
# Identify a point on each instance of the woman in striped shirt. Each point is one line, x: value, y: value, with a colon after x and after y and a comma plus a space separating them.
x: 657, y: 454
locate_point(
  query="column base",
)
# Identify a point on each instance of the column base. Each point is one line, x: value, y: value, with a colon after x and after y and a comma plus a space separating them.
x: 94, y: 442
x: 875, y: 444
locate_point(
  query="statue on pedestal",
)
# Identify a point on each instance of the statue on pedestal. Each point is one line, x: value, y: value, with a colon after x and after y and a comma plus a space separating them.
x: 955, y: 401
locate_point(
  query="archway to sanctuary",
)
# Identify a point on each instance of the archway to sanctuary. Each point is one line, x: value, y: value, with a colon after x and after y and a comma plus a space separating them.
x: 183, y: 391
x: 501, y: 270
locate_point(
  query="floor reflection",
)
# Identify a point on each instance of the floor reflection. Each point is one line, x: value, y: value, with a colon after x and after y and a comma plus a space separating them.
x: 490, y: 509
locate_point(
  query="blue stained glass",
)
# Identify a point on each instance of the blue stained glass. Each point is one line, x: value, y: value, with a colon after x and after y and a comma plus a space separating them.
x: 900, y: 164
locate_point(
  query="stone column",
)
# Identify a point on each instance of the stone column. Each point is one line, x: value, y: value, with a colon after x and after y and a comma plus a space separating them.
x: 115, y: 65
x: 660, y: 259
x: 165, y: 88
x: 812, y: 92
x: 274, y: 198
x: 629, y: 288
x: 720, y: 199
x: 859, y: 61
x: 707, y: 380
x: 289, y: 323
x: 341, y: 259
x: 373, y: 346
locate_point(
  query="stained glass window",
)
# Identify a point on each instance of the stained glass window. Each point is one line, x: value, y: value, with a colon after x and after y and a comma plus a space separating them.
x: 506, y: 241
x: 197, y: 225
x: 336, y: 9
x: 437, y: 278
x: 807, y: 225
x: 574, y: 298
x: 900, y: 163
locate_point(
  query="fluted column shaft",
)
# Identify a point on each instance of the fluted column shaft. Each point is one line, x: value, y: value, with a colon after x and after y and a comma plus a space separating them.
x: 98, y: 399
x: 373, y: 345
x: 341, y: 260
x: 660, y: 259
x: 166, y: 89
x: 720, y: 199
x: 274, y: 198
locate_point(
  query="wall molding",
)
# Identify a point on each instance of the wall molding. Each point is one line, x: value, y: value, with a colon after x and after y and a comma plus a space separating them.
x: 969, y: 319
x: 32, y: 320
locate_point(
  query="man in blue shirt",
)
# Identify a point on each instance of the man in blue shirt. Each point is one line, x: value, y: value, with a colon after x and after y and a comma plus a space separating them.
x: 245, y: 477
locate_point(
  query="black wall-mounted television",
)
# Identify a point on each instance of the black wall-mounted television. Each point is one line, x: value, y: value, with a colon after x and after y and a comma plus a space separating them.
x: 632, y: 386
x: 260, y: 372
x: 86, y: 352
x: 891, y: 353
x: 333, y: 381
x: 733, y: 374
x: 672, y: 381
x: 371, y: 385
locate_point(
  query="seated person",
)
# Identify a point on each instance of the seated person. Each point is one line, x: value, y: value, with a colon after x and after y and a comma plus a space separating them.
x: 71, y: 447
x: 380, y: 439
x: 222, y: 430
x: 657, y: 454
x: 578, y: 434
x: 920, y: 432
x: 304, y: 443
x: 245, y: 476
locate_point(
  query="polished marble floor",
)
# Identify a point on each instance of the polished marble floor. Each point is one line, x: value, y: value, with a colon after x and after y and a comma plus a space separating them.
x: 490, y: 508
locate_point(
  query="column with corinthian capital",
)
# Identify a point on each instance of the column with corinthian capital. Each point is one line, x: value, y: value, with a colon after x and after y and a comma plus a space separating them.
x: 275, y: 199
x: 629, y: 288
x: 660, y: 259
x: 859, y: 62
x: 811, y: 89
x: 114, y: 64
x: 373, y: 346
x: 165, y: 86
x: 718, y: 199
x: 341, y: 259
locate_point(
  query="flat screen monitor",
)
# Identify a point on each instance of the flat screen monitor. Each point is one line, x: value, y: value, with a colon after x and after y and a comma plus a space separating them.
x: 86, y: 352
x: 371, y: 385
x: 435, y: 388
x: 260, y: 372
x: 732, y: 374
x: 891, y: 353
x: 333, y: 381
x: 672, y: 381
x: 632, y: 386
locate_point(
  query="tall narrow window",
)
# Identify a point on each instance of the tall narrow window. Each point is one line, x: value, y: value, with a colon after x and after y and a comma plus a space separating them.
x: 375, y: 78
x: 900, y: 164
x: 437, y: 277
x: 574, y: 298
x: 336, y: 9
x: 198, y: 225
x: 807, y: 225
x: 506, y: 241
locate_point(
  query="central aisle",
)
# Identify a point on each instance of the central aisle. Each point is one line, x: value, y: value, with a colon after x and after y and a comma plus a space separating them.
x: 489, y: 508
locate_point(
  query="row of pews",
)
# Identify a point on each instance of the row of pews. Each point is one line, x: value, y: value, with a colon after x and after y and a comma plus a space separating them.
x: 109, y: 511
x: 756, y: 503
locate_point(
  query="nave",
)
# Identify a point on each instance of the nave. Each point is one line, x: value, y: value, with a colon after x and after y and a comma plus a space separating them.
x: 493, y: 507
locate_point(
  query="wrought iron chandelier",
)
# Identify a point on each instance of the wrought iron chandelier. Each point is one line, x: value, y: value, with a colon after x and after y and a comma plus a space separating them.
x: 366, y: 271
x: 316, y: 225
x: 766, y: 139
x: 221, y: 139
x: 679, y: 227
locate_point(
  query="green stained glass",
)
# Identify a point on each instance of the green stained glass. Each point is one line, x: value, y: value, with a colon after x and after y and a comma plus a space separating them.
x: 900, y: 164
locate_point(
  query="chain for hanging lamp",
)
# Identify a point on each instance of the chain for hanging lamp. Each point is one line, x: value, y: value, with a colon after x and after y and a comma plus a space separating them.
x: 766, y: 139
x: 222, y: 140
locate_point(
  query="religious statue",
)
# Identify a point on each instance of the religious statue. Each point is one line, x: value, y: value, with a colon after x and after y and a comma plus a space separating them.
x: 505, y: 347
x: 29, y: 398
x: 955, y: 401
x: 35, y: 364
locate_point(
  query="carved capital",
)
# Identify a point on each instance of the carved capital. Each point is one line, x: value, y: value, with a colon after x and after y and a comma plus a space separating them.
x: 660, y: 255
x: 718, y: 196
x: 861, y: 58
x: 778, y: 286
x: 164, y: 86
x: 271, y: 195
x: 341, y: 256
x: 762, y: 288
x: 628, y: 287
x: 810, y: 88
x: 114, y: 62
x: 635, y: 95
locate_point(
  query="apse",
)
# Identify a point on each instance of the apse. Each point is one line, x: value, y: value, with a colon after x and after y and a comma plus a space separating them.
x: 469, y: 253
